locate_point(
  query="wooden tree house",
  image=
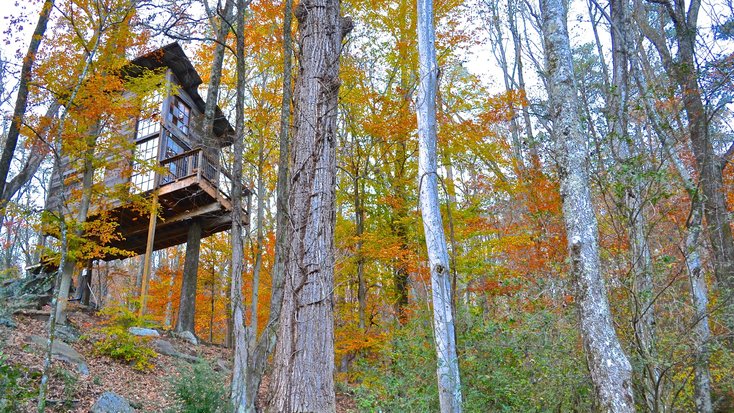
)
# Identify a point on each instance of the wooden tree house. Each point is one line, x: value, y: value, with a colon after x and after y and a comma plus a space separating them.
x: 190, y: 187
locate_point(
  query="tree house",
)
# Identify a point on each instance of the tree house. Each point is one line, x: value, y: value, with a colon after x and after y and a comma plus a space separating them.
x: 189, y: 183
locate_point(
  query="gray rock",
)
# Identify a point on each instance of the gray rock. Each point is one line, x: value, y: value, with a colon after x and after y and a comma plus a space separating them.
x: 68, y: 333
x: 7, y: 322
x: 64, y: 352
x: 111, y: 403
x: 188, y: 336
x: 143, y: 332
x: 166, y: 348
x: 223, y: 366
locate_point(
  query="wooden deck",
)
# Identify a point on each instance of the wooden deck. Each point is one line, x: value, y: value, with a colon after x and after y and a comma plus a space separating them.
x: 191, y: 188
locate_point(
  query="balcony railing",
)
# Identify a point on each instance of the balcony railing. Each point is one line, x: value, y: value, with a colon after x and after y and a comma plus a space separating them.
x: 195, y: 163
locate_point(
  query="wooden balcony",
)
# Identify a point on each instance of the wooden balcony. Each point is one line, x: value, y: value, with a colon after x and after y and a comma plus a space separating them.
x: 190, y: 187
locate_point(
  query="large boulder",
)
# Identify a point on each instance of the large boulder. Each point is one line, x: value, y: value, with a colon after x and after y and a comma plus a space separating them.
x: 110, y: 402
x: 143, y: 332
x: 166, y: 348
x: 188, y: 336
x: 64, y: 352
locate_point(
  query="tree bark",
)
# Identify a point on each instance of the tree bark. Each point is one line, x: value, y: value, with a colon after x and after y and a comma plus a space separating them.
x: 610, y: 369
x: 239, y: 392
x: 187, y: 301
x: 699, y: 296
x: 303, y: 378
x: 449, y: 383
x: 265, y: 344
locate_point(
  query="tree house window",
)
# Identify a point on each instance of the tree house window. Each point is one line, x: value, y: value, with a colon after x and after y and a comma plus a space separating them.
x: 146, y: 152
x: 178, y: 114
x: 150, y: 120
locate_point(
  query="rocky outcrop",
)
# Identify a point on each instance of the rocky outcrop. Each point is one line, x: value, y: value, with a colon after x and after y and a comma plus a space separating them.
x: 62, y: 351
x: 166, y: 348
x: 143, y: 332
x: 111, y: 402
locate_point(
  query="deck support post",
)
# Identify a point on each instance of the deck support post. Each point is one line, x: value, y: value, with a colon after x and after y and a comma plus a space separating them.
x: 147, y: 261
x: 187, y: 302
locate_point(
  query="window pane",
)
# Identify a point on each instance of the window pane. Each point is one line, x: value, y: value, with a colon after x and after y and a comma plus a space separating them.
x: 143, y: 176
x: 178, y: 114
x: 150, y: 119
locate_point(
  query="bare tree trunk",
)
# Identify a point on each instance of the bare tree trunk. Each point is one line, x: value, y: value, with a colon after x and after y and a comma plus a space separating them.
x: 512, y: 6
x: 173, y: 268
x: 684, y: 71
x: 238, y: 386
x: 610, y: 369
x: 265, y: 344
x: 449, y: 383
x: 21, y: 102
x: 633, y: 200
x: 187, y: 301
x: 699, y: 296
x: 215, y: 74
x: 359, y: 232
x: 303, y: 379
x: 85, y: 285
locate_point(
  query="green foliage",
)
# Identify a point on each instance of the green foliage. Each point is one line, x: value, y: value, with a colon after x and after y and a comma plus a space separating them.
x: 532, y: 365
x: 119, y: 344
x: 14, y: 388
x: 199, y: 389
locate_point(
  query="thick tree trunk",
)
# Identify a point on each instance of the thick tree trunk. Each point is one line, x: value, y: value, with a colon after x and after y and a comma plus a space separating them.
x: 449, y: 383
x: 609, y: 366
x: 303, y: 379
x: 187, y: 302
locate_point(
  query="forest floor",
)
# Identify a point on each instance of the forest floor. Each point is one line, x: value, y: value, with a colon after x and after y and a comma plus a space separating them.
x: 70, y: 391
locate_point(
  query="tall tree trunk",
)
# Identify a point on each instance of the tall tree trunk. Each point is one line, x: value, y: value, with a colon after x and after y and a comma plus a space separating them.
x: 699, y: 296
x: 610, y: 369
x: 449, y: 383
x: 21, y: 102
x: 266, y: 342
x: 684, y: 71
x: 215, y: 73
x: 238, y: 389
x: 359, y: 232
x: 303, y: 379
x: 633, y: 200
x: 692, y: 256
x: 187, y: 301
x: 512, y: 6
x: 708, y: 163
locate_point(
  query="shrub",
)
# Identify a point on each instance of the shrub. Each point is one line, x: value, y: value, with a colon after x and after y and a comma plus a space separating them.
x: 119, y: 344
x: 199, y: 389
x: 533, y: 365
